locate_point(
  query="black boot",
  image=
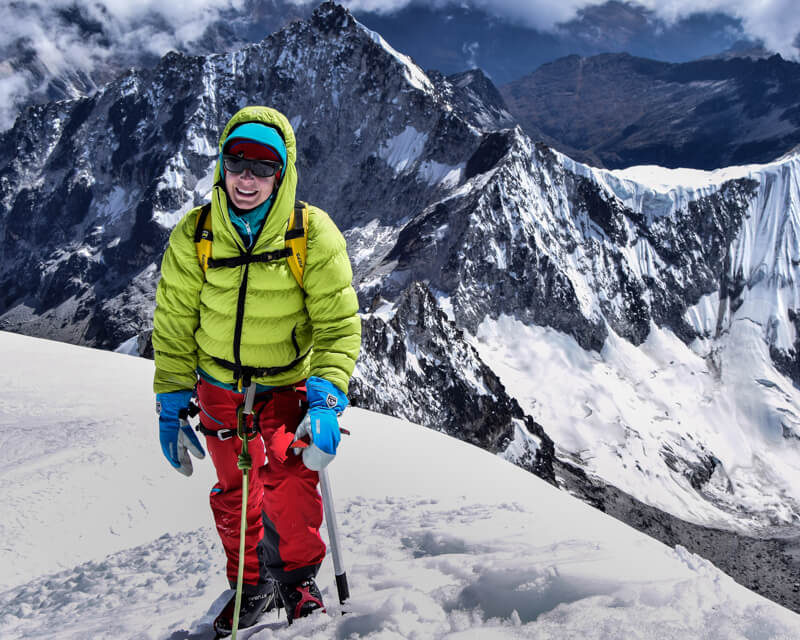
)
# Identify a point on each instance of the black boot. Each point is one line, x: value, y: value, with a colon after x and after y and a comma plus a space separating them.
x: 300, y: 599
x: 255, y: 601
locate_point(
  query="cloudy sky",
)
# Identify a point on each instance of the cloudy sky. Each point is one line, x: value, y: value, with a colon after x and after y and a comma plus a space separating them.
x: 776, y: 22
x: 63, y: 37
x: 88, y: 36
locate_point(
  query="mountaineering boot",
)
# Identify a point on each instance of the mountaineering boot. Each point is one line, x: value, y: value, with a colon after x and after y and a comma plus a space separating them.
x: 300, y: 599
x: 255, y: 601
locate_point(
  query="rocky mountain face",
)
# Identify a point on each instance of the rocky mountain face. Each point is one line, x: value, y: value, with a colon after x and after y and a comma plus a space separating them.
x: 466, y: 238
x: 598, y: 256
x: 417, y: 364
x: 616, y: 110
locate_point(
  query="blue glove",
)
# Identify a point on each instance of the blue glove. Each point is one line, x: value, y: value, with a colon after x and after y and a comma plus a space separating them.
x: 325, y: 403
x: 176, y: 434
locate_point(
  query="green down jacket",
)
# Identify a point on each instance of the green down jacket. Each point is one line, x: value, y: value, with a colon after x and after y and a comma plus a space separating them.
x: 195, y: 319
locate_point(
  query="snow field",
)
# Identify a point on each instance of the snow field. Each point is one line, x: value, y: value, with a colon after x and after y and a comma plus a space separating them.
x: 441, y: 539
x: 625, y: 408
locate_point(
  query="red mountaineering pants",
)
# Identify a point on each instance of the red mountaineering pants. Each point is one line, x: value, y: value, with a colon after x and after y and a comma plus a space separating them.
x: 284, y: 509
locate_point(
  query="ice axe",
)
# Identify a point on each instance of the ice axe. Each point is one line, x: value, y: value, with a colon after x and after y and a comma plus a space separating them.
x: 330, y: 518
x: 333, y: 534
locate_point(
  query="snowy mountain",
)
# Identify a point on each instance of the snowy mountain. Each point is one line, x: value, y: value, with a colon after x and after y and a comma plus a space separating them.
x: 616, y: 110
x: 630, y: 336
x: 641, y: 317
x: 441, y: 539
x: 701, y: 271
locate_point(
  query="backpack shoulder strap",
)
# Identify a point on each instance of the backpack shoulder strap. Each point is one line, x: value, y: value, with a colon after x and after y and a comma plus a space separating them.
x: 203, y: 236
x: 296, y: 239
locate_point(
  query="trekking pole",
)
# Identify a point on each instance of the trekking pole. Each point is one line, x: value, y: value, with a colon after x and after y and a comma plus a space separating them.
x: 333, y: 533
x: 245, y: 463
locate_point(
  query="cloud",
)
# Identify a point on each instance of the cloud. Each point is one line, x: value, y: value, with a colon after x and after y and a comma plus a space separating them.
x: 775, y: 22
x: 471, y: 49
x: 13, y: 89
x: 70, y: 41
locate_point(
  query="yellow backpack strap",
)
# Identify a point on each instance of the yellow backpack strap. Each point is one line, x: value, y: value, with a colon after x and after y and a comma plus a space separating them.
x: 203, y: 236
x: 296, y: 239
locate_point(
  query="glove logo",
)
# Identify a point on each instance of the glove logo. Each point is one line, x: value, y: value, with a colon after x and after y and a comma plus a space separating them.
x: 331, y: 401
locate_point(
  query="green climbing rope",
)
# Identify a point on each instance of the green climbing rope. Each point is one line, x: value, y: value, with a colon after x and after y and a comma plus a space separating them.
x: 245, y: 463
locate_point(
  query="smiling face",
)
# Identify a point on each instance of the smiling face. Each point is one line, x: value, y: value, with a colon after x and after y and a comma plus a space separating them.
x: 247, y: 191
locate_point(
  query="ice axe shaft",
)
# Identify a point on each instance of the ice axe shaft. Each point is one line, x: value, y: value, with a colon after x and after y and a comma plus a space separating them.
x: 333, y: 534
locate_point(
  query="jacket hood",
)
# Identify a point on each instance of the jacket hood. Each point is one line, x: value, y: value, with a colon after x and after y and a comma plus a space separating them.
x: 263, y: 115
x: 284, y: 195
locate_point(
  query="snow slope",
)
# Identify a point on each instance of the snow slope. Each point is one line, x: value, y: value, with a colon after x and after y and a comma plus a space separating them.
x: 629, y: 412
x: 101, y: 539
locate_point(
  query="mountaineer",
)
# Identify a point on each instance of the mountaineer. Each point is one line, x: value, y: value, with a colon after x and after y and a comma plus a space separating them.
x: 256, y: 298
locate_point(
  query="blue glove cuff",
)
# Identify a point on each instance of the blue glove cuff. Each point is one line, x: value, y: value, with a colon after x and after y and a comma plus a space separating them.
x: 322, y: 394
x: 169, y: 405
x: 177, y: 439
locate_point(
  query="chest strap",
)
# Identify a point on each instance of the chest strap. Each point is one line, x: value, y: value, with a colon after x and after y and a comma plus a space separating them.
x: 246, y: 258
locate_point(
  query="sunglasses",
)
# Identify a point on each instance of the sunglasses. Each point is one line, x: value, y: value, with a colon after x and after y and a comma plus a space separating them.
x: 259, y: 168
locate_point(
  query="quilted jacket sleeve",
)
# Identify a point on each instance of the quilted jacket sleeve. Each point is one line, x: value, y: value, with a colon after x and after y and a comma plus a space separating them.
x: 177, y: 313
x: 331, y: 302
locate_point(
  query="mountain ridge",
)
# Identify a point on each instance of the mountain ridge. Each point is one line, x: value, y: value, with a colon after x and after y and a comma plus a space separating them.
x: 617, y: 110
